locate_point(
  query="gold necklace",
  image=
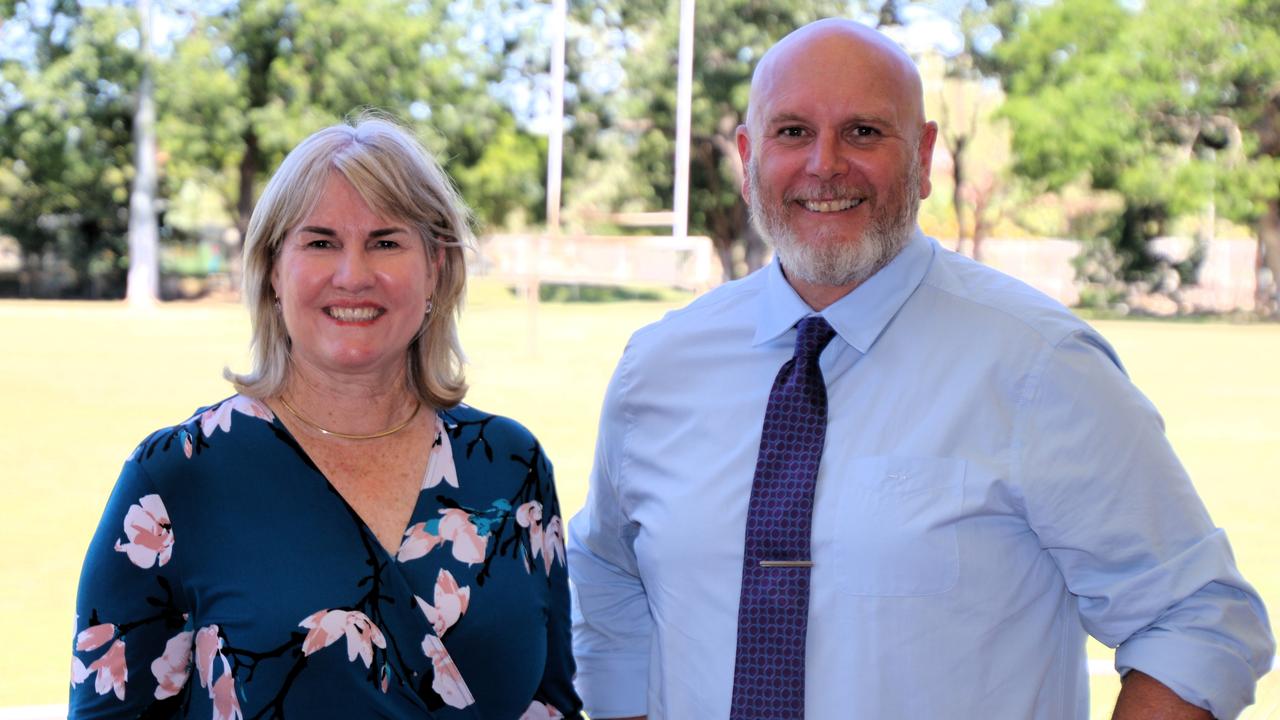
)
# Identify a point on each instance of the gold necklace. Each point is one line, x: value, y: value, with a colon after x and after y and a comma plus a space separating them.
x: 311, y: 424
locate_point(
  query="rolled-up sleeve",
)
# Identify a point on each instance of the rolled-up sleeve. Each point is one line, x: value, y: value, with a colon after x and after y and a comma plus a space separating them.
x: 1110, y: 502
x: 612, y: 625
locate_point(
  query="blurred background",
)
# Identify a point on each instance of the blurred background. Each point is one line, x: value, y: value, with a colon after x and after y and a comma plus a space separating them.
x: 1122, y: 156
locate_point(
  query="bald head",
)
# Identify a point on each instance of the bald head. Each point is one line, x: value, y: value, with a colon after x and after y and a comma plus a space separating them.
x: 836, y: 51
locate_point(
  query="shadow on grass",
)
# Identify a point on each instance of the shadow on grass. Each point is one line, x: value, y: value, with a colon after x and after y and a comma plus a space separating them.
x: 1237, y: 317
x: 582, y: 293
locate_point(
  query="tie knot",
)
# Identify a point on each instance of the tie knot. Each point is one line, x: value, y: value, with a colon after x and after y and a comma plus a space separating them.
x: 812, y: 335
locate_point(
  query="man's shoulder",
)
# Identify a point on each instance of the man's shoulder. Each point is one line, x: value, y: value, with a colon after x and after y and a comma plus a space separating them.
x: 725, y: 308
x: 994, y: 298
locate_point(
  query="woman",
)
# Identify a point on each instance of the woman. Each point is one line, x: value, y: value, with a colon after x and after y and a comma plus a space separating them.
x: 342, y: 538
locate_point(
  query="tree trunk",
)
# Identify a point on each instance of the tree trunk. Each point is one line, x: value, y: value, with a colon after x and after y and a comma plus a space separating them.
x: 980, y: 232
x: 985, y: 195
x: 1268, y: 297
x: 248, y: 172
x: 888, y: 14
x: 143, y: 286
x: 724, y: 250
x: 250, y: 163
x: 85, y: 285
x: 1132, y: 238
x: 258, y: 91
x: 755, y: 251
x: 957, y: 148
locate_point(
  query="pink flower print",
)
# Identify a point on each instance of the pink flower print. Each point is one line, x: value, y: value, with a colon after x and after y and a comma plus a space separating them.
x: 220, y: 417
x: 547, y: 542
x: 150, y: 535
x: 226, y: 706
x: 553, y: 542
x: 207, y: 646
x: 451, y: 603
x: 541, y: 711
x: 362, y: 635
x: 95, y: 636
x: 326, y: 626
x: 112, y: 671
x: 529, y: 515
x: 79, y: 673
x: 417, y: 543
x: 448, y: 682
x: 457, y: 528
x: 173, y: 667
x: 186, y: 444
x: 440, y: 467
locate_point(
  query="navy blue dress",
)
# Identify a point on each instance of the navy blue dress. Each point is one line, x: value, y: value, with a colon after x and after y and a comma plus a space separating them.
x: 229, y: 580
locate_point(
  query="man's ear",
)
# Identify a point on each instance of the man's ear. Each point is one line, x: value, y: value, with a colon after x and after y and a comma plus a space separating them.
x: 928, y: 136
x: 744, y: 152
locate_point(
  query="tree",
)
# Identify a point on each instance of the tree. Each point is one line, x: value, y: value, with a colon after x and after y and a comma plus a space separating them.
x: 1258, y: 86
x: 1171, y: 106
x: 66, y: 116
x: 271, y: 72
x: 977, y: 145
x: 234, y: 92
x: 966, y: 105
x: 144, y: 236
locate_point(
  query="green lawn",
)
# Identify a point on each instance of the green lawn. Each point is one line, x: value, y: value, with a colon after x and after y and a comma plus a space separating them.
x: 82, y: 383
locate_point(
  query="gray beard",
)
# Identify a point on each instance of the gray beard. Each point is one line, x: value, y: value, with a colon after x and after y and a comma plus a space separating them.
x: 844, y: 261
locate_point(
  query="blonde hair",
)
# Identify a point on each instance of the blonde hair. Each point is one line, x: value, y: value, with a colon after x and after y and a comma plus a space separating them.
x: 397, y: 177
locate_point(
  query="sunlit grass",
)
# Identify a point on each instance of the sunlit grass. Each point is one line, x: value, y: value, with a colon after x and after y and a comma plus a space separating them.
x: 83, y: 383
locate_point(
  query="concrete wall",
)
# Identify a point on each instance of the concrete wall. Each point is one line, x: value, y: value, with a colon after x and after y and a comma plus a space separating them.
x: 685, y: 263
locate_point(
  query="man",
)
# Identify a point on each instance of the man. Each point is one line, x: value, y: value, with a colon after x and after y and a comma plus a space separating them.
x: 990, y: 487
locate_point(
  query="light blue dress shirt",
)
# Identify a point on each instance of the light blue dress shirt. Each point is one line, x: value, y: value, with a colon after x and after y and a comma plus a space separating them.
x: 992, y: 489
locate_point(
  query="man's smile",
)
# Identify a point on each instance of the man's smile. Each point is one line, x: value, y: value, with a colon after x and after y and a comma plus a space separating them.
x: 829, y: 206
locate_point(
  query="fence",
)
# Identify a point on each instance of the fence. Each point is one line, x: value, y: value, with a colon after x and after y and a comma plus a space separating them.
x: 687, y: 263
x: 1226, y: 282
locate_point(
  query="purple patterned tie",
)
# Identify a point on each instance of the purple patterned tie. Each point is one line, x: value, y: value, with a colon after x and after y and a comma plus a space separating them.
x: 768, y: 675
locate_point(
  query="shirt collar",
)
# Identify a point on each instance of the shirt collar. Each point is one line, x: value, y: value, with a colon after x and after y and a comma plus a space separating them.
x: 860, y: 316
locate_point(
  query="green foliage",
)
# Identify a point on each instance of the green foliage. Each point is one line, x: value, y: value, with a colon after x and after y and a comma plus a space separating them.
x: 1067, y: 100
x: 236, y: 91
x: 66, y: 116
x: 250, y: 83
x: 1163, y: 104
x: 504, y: 184
x: 1172, y: 105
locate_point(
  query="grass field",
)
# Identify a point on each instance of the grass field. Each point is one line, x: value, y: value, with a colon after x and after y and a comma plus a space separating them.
x: 82, y: 383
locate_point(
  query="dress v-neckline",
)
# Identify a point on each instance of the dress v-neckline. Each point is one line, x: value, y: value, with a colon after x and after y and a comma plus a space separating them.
x: 364, y: 526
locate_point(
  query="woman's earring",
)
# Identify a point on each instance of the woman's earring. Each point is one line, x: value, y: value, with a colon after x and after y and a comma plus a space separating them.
x: 428, y: 312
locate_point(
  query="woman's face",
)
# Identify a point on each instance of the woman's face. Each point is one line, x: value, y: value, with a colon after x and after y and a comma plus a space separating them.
x: 353, y: 286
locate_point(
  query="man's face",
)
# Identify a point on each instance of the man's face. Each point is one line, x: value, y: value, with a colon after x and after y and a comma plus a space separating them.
x: 837, y: 160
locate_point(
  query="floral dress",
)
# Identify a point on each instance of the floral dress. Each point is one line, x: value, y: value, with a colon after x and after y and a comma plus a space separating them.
x: 229, y: 580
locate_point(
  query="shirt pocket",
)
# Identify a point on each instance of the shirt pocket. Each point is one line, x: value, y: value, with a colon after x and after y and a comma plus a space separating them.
x: 896, y: 535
